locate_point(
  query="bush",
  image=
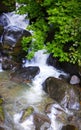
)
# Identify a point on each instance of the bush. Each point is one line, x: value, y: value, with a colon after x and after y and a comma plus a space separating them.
x: 56, y: 27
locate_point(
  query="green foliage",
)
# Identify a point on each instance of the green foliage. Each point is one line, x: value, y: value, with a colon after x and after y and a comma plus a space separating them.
x: 64, y: 17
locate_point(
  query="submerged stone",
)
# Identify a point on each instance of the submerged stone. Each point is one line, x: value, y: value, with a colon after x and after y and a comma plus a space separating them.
x: 26, y: 113
x: 1, y: 111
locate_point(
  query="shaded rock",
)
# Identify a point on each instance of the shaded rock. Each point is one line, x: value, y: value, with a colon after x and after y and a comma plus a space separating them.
x: 1, y: 30
x: 1, y: 128
x: 12, y: 45
x: 2, y: 118
x: 9, y: 64
x: 41, y: 121
x: 26, y: 113
x: 67, y: 67
x: 69, y: 127
x: 24, y: 74
x: 68, y: 95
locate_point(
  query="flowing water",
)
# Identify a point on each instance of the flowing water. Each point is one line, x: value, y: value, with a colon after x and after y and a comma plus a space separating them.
x: 18, y: 96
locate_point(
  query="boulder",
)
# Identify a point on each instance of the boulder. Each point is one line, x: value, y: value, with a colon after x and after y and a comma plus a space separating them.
x: 11, y: 41
x: 74, y: 79
x: 69, y: 127
x: 24, y: 74
x: 64, y: 93
x: 2, y: 117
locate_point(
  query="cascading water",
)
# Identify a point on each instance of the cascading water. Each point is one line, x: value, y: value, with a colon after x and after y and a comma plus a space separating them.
x: 34, y: 94
x: 16, y: 20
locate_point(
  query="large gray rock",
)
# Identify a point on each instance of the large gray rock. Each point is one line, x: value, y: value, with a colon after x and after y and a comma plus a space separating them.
x: 67, y: 95
x: 11, y: 42
x: 24, y: 74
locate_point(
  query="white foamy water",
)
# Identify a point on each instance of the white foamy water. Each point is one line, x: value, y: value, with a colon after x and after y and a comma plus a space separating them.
x: 55, y: 125
x: 1, y: 68
x: 0, y: 65
x: 58, y: 117
x: 28, y: 124
x: 17, y: 20
x: 36, y: 92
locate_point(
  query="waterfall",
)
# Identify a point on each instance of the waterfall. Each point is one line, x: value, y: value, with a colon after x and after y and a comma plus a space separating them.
x: 17, y: 20
x: 35, y: 94
x: 46, y: 71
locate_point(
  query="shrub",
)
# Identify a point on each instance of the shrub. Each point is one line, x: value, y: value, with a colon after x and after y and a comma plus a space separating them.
x: 56, y: 27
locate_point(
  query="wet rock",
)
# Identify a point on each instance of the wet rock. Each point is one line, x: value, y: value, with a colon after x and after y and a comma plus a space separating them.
x: 74, y: 79
x: 9, y: 64
x: 69, y: 127
x: 2, y: 118
x: 70, y: 117
x: 48, y: 108
x: 57, y: 112
x: 26, y: 113
x: 1, y: 128
x: 68, y: 95
x: 24, y: 74
x: 1, y: 30
x: 67, y: 67
x: 12, y: 35
x: 41, y: 121
x: 12, y: 45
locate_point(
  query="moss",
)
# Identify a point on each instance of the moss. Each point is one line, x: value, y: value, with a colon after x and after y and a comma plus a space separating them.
x: 1, y: 114
x: 26, y: 113
x: 1, y: 110
x: 1, y: 101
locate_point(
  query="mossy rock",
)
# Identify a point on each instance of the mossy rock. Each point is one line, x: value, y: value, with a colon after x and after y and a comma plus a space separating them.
x: 1, y: 114
x: 26, y: 113
x: 1, y: 110
x: 1, y: 101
